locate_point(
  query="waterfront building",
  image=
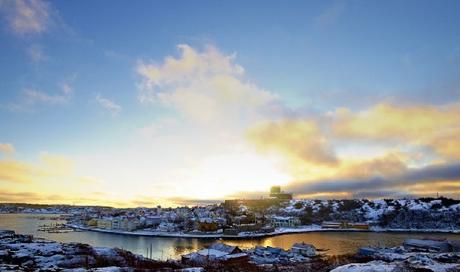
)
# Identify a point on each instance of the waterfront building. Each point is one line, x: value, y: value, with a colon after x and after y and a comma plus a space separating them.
x: 104, y: 223
x: 130, y: 223
x: 152, y: 220
x: 92, y: 222
x: 116, y: 222
x: 285, y: 221
x: 207, y: 224
x: 167, y: 227
x: 344, y: 225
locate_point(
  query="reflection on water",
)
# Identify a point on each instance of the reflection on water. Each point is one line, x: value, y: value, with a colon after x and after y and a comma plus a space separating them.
x: 163, y: 248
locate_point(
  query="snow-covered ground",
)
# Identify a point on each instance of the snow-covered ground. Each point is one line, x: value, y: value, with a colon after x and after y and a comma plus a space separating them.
x: 436, y: 262
x: 371, y: 209
x: 25, y: 253
x: 374, y: 266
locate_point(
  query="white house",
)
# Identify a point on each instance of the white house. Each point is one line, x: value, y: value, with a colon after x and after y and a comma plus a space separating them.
x: 285, y: 221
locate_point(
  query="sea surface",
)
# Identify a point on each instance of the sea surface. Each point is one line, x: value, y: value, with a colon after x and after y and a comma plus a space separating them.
x: 333, y: 243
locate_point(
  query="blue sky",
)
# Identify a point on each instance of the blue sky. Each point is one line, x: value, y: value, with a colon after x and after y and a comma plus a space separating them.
x: 70, y: 81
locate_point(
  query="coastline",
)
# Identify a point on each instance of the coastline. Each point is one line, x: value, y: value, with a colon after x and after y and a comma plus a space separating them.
x: 246, y: 235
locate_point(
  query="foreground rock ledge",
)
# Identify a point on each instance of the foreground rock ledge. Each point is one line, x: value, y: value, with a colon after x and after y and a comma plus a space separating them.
x: 26, y: 253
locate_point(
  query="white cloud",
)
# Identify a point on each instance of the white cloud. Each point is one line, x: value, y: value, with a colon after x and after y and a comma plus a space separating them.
x: 331, y: 14
x: 205, y: 86
x: 7, y: 148
x: 203, y: 145
x: 26, y: 16
x: 32, y: 97
x: 109, y: 105
x: 36, y: 53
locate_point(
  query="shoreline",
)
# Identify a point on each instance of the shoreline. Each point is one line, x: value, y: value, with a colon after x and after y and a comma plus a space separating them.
x: 242, y: 236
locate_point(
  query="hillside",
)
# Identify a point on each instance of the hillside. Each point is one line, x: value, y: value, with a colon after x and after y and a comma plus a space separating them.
x: 422, y: 213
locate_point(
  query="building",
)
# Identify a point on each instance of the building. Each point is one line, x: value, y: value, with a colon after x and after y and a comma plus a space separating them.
x: 104, y: 223
x: 116, y: 222
x: 92, y: 222
x: 331, y: 225
x: 275, y: 192
x: 207, y: 224
x: 217, y: 253
x: 129, y: 223
x: 226, y: 248
x: 361, y: 226
x: 152, y: 221
x: 167, y: 227
x: 344, y: 225
x: 285, y: 221
x: 276, y: 198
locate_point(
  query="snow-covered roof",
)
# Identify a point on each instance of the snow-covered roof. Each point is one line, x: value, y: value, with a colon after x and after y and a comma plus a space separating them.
x: 223, y: 247
x: 234, y: 256
x: 212, y: 252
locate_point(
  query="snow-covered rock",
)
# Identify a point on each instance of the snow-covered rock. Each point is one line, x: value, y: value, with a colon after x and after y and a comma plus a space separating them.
x: 374, y: 266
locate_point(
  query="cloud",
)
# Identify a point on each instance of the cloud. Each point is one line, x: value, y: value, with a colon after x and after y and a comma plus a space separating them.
x: 432, y: 176
x: 7, y: 148
x: 436, y: 127
x: 205, y: 86
x: 419, y: 145
x: 299, y: 140
x: 52, y: 179
x: 18, y: 172
x: 209, y: 87
x: 36, y: 53
x: 88, y: 180
x: 108, y: 105
x: 31, y: 98
x: 26, y: 16
x: 10, y: 196
x: 20, y: 197
x: 49, y: 166
x: 331, y: 14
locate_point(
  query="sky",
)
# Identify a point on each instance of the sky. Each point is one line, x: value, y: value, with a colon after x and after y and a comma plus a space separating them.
x: 177, y: 102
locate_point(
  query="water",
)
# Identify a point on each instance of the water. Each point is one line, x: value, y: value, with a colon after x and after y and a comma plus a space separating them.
x: 163, y: 248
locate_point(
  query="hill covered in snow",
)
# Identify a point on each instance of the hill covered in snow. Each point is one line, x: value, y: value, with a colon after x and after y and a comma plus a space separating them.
x: 422, y: 213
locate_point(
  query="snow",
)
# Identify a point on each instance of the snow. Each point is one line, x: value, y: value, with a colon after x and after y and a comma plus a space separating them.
x: 400, y: 262
x: 193, y: 269
x: 212, y: 252
x: 108, y: 269
x: 44, y: 248
x: 374, y: 266
x: 105, y: 251
x: 455, y: 207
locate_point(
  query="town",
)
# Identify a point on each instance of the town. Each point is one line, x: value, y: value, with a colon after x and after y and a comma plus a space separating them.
x: 276, y: 214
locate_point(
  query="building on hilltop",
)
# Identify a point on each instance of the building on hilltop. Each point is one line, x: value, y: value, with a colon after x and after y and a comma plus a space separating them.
x: 275, y: 191
x: 276, y: 197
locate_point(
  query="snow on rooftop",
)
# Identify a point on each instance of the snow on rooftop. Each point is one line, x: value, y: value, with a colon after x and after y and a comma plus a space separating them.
x: 212, y: 252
